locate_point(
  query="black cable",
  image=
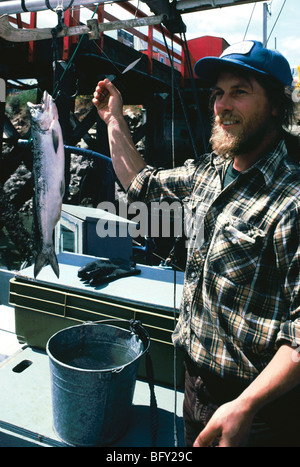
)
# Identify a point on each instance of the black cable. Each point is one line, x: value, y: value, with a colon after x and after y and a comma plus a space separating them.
x: 191, y: 75
x: 276, y: 20
x: 181, y: 99
x: 154, y: 421
x: 249, y: 21
x: 23, y: 6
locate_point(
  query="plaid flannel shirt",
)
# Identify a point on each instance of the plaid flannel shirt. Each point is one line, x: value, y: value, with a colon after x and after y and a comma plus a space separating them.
x: 241, y: 296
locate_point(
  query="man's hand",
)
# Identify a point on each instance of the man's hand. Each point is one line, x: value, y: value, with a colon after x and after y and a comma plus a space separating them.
x: 231, y: 423
x: 230, y: 426
x: 108, y: 101
x: 126, y: 159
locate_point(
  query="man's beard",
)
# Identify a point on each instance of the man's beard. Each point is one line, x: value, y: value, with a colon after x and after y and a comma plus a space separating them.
x: 249, y: 137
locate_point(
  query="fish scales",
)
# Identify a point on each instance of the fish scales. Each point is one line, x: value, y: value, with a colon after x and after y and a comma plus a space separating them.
x: 48, y: 174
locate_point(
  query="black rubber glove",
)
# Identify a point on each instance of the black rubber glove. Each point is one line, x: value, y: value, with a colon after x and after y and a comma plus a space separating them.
x: 106, y: 270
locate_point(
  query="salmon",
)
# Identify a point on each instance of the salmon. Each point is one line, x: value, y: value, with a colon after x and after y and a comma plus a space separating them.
x: 49, y: 178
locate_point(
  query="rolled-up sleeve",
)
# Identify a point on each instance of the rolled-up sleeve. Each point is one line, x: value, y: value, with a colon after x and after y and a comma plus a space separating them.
x: 288, y: 250
x: 138, y: 186
x: 153, y: 184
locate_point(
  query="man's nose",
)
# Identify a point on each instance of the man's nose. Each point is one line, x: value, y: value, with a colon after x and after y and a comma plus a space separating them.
x: 223, y: 103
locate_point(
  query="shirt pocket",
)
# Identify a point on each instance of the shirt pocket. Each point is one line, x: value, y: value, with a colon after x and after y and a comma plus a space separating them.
x: 235, y: 251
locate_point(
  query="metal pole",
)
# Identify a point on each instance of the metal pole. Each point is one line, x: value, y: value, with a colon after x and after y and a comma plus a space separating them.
x: 11, y: 7
x: 265, y: 24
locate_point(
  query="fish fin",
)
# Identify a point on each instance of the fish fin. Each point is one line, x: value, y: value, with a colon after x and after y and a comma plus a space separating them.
x: 45, y: 257
x: 55, y: 140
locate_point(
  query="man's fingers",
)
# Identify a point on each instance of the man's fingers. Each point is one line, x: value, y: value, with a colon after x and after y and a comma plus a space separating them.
x: 103, y: 89
x: 100, y: 93
x: 207, y: 437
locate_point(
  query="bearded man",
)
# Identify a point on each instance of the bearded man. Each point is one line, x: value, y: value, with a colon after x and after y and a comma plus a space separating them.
x: 239, y: 324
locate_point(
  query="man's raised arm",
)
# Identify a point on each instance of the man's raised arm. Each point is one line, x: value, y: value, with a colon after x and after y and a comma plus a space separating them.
x: 126, y: 159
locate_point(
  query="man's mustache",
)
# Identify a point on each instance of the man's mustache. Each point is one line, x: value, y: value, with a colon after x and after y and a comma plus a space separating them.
x: 226, y: 117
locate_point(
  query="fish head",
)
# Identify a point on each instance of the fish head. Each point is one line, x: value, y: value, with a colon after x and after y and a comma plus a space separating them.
x: 43, y: 114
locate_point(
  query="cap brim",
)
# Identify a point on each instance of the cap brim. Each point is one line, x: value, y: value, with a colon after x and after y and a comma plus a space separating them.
x: 208, y: 69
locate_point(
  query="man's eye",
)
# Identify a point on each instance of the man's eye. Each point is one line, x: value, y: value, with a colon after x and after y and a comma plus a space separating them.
x: 217, y: 94
x: 240, y: 92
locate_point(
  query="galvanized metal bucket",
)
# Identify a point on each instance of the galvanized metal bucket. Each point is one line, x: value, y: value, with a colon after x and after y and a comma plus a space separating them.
x: 93, y: 370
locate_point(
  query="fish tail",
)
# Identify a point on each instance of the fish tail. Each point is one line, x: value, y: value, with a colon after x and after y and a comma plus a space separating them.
x: 45, y: 257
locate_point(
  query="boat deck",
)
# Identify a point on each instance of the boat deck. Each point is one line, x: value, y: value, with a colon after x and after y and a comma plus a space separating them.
x: 26, y: 405
x: 9, y: 343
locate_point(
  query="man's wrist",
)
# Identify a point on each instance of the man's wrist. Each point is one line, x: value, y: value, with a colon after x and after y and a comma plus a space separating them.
x: 249, y: 402
x: 115, y: 120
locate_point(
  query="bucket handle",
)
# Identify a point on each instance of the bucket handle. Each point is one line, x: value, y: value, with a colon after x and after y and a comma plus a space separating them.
x: 137, y: 328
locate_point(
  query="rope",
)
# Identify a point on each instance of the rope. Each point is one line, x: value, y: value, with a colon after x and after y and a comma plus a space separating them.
x: 153, y: 402
x: 136, y: 326
x: 175, y: 429
x: 54, y: 33
x: 173, y: 161
x: 175, y: 368
x: 71, y: 59
x: 59, y: 10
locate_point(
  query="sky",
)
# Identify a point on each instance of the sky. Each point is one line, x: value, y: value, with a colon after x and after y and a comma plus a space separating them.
x: 231, y: 24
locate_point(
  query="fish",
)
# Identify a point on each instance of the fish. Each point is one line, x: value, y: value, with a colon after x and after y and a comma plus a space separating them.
x: 48, y: 176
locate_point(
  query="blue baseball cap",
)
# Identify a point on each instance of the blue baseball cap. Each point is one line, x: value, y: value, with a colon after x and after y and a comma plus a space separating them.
x: 246, y: 55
